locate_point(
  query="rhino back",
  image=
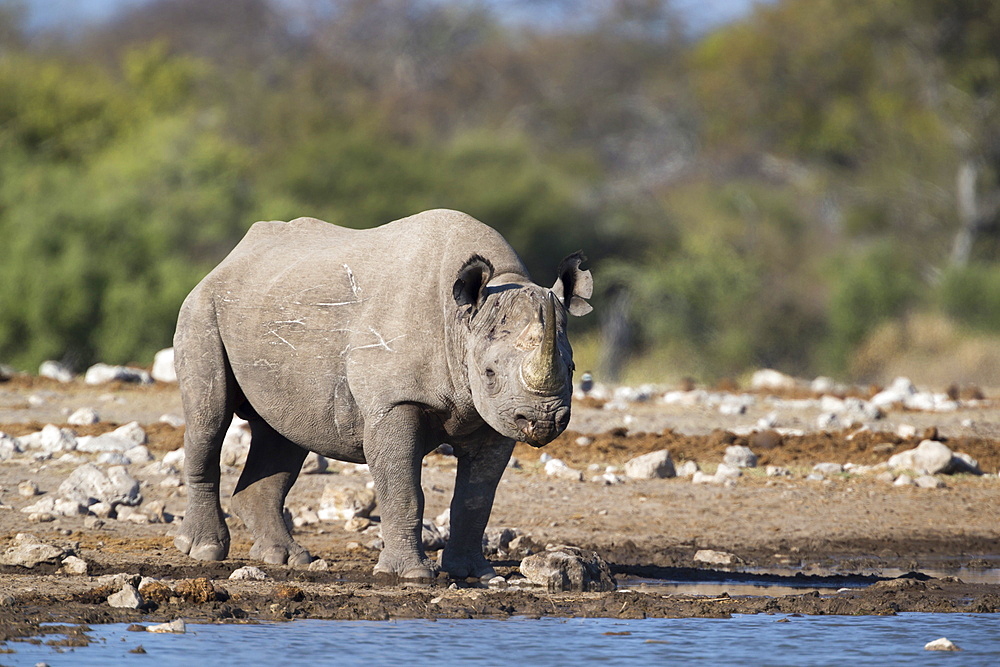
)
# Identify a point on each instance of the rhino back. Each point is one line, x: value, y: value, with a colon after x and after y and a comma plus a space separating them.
x: 325, y: 326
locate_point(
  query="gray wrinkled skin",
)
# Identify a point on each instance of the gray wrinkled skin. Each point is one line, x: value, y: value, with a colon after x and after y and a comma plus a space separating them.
x: 371, y: 346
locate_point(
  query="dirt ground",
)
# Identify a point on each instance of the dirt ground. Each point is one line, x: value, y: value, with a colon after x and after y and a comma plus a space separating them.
x: 872, y: 547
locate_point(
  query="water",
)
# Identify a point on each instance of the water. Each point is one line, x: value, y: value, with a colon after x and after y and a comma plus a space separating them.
x: 765, y: 640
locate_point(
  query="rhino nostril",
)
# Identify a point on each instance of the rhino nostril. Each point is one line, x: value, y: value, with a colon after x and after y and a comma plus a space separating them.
x: 523, y: 423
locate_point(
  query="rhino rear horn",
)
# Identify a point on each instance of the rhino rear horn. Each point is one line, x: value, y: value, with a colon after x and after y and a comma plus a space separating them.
x: 471, y: 282
x: 574, y: 286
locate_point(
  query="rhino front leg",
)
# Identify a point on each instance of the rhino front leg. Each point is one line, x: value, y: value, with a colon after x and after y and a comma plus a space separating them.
x: 394, y: 450
x: 272, y: 466
x: 480, y: 468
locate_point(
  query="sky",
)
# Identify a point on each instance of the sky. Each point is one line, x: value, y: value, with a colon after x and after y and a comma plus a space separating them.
x: 700, y: 14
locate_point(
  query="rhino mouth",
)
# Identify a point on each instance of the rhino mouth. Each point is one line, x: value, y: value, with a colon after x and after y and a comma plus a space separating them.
x: 539, y: 431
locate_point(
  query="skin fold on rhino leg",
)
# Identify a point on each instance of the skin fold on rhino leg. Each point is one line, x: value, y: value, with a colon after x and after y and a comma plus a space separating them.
x: 207, y: 389
x: 480, y: 468
x: 394, y: 449
x: 272, y: 466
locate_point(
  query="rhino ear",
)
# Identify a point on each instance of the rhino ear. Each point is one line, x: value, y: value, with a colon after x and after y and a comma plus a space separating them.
x: 573, y: 286
x: 471, y: 281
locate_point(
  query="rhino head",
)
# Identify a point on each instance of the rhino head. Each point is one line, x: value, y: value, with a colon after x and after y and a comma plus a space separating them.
x: 519, y: 360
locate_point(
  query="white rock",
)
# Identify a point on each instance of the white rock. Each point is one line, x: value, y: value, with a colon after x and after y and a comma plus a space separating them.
x: 726, y: 471
x: 558, y: 468
x: 315, y: 464
x: 828, y: 469
x: 941, y: 644
x: 55, y: 371
x: 736, y: 405
x: 114, y: 459
x: 83, y: 417
x: 27, y: 489
x: 249, y: 573
x: 930, y: 457
x: 715, y: 557
x: 655, y: 465
x: 28, y: 553
x: 906, y: 430
x: 9, y: 447
x: 339, y: 503
x: 687, y: 469
x: 700, y: 477
x: 584, y: 441
x: 139, y: 454
x: 828, y: 421
x: 174, y: 458
x: 929, y: 482
x: 739, y: 456
x: 88, y: 484
x: 73, y: 565
x: 171, y: 419
x: 102, y: 373
x: 236, y: 445
x: 903, y: 480
x: 175, y: 626
x: 50, y: 439
x: 770, y: 379
x: 777, y: 471
x: 163, y: 366
x: 823, y: 385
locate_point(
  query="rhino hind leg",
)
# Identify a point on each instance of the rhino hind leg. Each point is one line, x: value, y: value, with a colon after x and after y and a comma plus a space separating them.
x: 272, y: 467
x: 480, y: 468
x: 208, y: 409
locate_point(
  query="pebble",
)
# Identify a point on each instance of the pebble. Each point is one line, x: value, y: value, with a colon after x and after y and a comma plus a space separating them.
x: 127, y: 598
x: 777, y: 471
x: 74, y: 565
x: 83, y: 417
x: 655, y: 465
x: 565, y: 568
x: 828, y: 468
x: 558, y: 468
x: 687, y: 469
x: 249, y: 573
x: 740, y: 456
x: 714, y: 557
x: 175, y: 626
x: 27, y: 489
x: 102, y: 373
x: 941, y: 644
x: 929, y: 482
x: 163, y: 366
x: 55, y: 371
x: 903, y: 480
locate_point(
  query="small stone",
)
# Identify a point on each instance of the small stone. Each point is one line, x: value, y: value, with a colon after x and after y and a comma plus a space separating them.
x: 102, y: 373
x: 357, y: 524
x: 163, y: 366
x: 655, y: 465
x: 739, y: 456
x: 584, y: 441
x: 249, y: 573
x: 687, y: 469
x: 558, y: 468
x: 497, y: 582
x: 942, y: 644
x: 27, y: 489
x: 714, y: 557
x: 83, y: 417
x: 127, y: 598
x: 726, y: 471
x: 175, y: 626
x: 828, y: 469
x: 903, y: 480
x: 315, y: 464
x: 318, y: 565
x: 929, y: 482
x: 55, y: 371
x: 568, y: 568
x: 73, y: 565
x: 93, y: 523
x: 29, y: 553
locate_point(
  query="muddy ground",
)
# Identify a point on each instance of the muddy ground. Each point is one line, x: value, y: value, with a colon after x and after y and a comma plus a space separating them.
x: 852, y: 535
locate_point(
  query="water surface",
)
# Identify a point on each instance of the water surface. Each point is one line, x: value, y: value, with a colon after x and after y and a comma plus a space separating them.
x: 742, y: 640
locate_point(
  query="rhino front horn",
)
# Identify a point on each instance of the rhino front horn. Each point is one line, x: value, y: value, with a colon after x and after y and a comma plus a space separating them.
x: 541, y: 370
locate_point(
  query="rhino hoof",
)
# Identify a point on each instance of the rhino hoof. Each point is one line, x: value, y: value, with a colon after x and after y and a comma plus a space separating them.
x: 418, y: 573
x: 207, y: 551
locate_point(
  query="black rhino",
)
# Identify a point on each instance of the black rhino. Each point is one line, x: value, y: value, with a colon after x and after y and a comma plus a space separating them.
x: 371, y: 346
